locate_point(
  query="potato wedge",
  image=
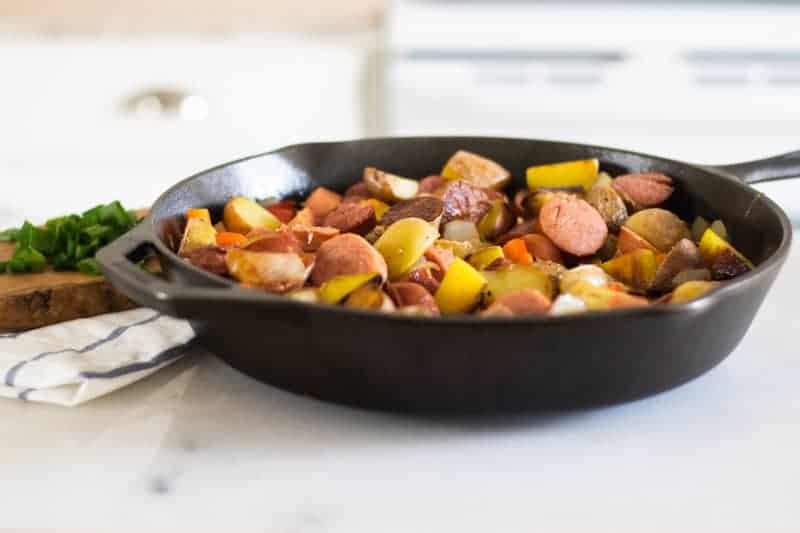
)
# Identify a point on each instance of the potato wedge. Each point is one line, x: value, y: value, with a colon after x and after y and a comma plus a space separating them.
x: 338, y: 288
x: 690, y: 290
x: 197, y: 234
x: 243, y: 215
x: 477, y: 170
x: 403, y: 243
x: 461, y: 288
x: 274, y: 272
x: 636, y: 269
x: 659, y: 227
x: 515, y: 277
x: 388, y: 187
x: 582, y: 173
x: 722, y: 259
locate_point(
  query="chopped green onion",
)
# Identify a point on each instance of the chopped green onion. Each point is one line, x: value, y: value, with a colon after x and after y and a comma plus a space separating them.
x: 89, y: 266
x: 9, y: 235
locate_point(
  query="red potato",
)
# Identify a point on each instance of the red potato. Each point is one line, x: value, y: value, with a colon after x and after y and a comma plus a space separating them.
x: 542, y: 248
x: 351, y: 217
x: 520, y: 302
x: 573, y: 225
x: 647, y: 189
x: 273, y: 272
x: 629, y: 241
x: 321, y: 202
x: 406, y: 294
x: 683, y: 256
x: 347, y: 254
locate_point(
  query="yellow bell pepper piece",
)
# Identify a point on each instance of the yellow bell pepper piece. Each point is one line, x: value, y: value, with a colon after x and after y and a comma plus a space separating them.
x: 485, y: 257
x: 461, y: 288
x: 581, y: 173
x: 379, y: 207
x: 721, y: 257
x: 336, y: 289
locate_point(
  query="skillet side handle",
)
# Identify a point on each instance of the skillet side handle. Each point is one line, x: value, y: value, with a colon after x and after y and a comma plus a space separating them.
x: 779, y: 167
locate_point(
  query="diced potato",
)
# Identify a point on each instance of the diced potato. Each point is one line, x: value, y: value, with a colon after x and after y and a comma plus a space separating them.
x: 635, y: 269
x: 309, y: 295
x: 659, y: 227
x: 459, y: 248
x: 603, y: 298
x: 336, y: 289
x: 461, y: 288
x: 515, y: 277
x: 369, y: 297
x: 582, y: 173
x: 477, y: 170
x: 699, y: 226
x: 388, y: 187
x: 498, y: 220
x: 379, y: 207
x: 567, y: 304
x: 719, y: 228
x: 485, y: 257
x: 198, y: 234
x: 404, y: 242
x: 243, y: 215
x: 591, y: 274
x: 691, y: 290
x: 274, y: 272
x: 722, y: 259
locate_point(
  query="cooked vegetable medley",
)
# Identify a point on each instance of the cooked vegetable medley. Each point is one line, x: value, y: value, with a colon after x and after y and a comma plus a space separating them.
x: 576, y: 239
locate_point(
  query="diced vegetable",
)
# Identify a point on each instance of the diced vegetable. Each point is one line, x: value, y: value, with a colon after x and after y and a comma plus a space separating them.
x: 369, y: 297
x: 197, y: 234
x: 461, y: 231
x: 461, y: 288
x: 497, y: 221
x: 636, y: 269
x: 320, y: 203
x: 542, y: 248
x: 309, y: 295
x: 514, y: 277
x: 659, y: 227
x: 591, y: 274
x: 229, y: 238
x: 379, y: 207
x: 404, y: 242
x: 695, y: 274
x: 202, y: 214
x: 516, y: 251
x: 567, y: 304
x: 581, y: 173
x: 628, y: 241
x: 719, y: 228
x: 690, y: 290
x: 482, y: 259
x: 336, y: 289
x: 242, y: 215
x: 604, y: 298
x: 388, y: 187
x: 274, y: 272
x: 477, y: 170
x: 609, y: 204
x: 699, y: 226
x: 722, y: 259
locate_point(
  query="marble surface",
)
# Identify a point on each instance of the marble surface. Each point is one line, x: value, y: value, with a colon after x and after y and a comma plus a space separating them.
x: 200, y: 446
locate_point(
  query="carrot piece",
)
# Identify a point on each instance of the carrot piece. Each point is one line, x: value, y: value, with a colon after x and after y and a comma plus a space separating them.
x: 201, y: 213
x: 229, y: 238
x: 515, y: 250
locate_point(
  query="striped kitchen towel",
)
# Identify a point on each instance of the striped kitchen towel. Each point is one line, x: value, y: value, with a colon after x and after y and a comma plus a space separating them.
x: 73, y: 362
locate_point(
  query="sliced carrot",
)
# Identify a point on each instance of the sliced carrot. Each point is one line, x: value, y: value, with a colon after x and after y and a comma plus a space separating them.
x: 515, y: 250
x: 229, y: 238
x: 201, y: 213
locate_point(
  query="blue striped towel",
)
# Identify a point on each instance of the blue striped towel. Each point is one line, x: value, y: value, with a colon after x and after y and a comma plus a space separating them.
x: 74, y: 362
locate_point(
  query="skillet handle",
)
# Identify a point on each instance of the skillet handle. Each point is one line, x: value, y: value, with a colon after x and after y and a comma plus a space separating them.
x: 118, y: 262
x: 779, y: 167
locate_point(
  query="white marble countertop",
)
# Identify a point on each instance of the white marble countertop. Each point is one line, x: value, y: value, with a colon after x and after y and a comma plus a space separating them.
x: 201, y: 446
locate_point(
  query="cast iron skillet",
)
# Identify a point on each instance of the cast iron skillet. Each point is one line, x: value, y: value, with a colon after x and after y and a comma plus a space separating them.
x: 457, y: 364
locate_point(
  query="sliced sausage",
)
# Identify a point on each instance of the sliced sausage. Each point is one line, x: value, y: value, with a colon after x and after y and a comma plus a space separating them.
x: 283, y: 241
x: 520, y: 230
x: 285, y: 210
x: 442, y: 257
x: 211, y: 259
x: 647, y: 190
x: 322, y: 201
x: 424, y: 277
x: 312, y: 237
x: 406, y: 293
x: 430, y: 184
x: 425, y: 207
x: 683, y: 256
x: 573, y: 225
x: 357, y: 192
x: 463, y: 201
x: 351, y: 217
x: 520, y: 302
x: 346, y: 254
x: 542, y: 248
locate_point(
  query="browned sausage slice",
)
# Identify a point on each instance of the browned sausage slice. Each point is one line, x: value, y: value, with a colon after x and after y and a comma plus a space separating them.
x: 430, y: 184
x: 346, y: 254
x: 351, y: 217
x: 406, y: 293
x: 424, y: 277
x: 519, y: 303
x: 211, y: 259
x: 573, y: 225
x: 357, y: 192
x: 442, y: 257
x: 312, y: 237
x: 647, y: 190
x: 520, y: 230
x: 463, y: 201
x: 683, y: 256
x: 283, y: 241
x: 542, y: 248
x: 322, y: 201
x: 427, y: 208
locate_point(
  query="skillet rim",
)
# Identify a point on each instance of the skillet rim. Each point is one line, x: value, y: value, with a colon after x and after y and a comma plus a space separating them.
x: 705, y: 303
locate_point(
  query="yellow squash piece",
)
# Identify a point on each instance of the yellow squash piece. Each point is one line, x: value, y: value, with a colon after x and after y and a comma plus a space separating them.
x: 241, y: 215
x: 722, y: 259
x: 485, y: 257
x: 461, y: 288
x: 691, y: 290
x: 198, y: 234
x: 635, y: 269
x: 515, y: 277
x: 338, y: 288
x: 582, y: 173
x: 404, y: 242
x: 603, y: 298
x: 379, y: 207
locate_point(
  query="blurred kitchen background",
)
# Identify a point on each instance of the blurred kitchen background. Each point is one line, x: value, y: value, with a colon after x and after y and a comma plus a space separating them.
x: 102, y: 100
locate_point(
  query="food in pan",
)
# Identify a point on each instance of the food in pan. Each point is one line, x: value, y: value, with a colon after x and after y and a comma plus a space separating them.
x: 576, y: 239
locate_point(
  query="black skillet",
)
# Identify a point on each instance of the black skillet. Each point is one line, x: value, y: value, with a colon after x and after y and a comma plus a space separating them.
x: 461, y: 364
